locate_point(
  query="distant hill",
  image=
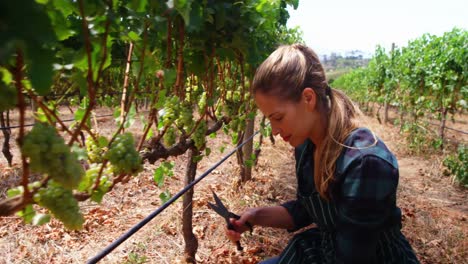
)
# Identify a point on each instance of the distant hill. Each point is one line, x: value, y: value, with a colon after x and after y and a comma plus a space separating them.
x: 336, y: 64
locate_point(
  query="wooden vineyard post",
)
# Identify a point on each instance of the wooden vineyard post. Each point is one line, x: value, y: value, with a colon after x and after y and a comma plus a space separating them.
x: 246, y: 173
x: 191, y: 242
x: 6, y: 133
x: 123, y: 101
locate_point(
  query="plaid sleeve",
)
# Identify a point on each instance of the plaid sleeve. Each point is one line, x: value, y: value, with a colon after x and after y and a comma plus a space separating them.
x: 303, y: 167
x: 298, y: 213
x: 366, y: 201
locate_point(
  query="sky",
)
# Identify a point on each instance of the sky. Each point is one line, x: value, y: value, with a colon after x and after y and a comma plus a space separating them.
x: 345, y: 25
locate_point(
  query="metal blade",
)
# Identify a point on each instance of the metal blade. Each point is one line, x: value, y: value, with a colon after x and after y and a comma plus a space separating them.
x: 220, y: 204
x: 219, y: 211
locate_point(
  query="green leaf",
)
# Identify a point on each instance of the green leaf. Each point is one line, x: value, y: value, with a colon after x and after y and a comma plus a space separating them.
x: 169, y: 77
x: 15, y: 191
x: 41, y: 116
x: 102, y: 141
x: 80, y: 80
x: 207, y: 151
x: 130, y: 117
x: 64, y: 6
x: 165, y: 196
x: 168, y: 166
x: 116, y: 113
x: 133, y: 36
x: 184, y: 7
x: 150, y: 134
x: 40, y: 219
x: 40, y: 69
x: 139, y: 5
x: 197, y: 158
x: 158, y: 176
x: 60, y: 25
x: 7, y: 77
x: 27, y: 214
x: 79, y: 114
x: 196, y: 17
x: 97, y: 195
x: 295, y: 3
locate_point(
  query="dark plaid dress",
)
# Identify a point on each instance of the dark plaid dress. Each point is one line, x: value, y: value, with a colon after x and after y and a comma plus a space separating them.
x: 361, y: 223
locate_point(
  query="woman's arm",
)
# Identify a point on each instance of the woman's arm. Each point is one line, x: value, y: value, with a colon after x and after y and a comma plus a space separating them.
x: 273, y: 216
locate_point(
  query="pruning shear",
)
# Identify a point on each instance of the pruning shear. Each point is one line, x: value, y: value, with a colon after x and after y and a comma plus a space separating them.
x: 226, y: 214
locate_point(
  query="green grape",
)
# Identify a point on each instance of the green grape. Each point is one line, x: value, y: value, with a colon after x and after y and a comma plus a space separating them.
x: 236, y: 96
x: 95, y: 153
x: 123, y: 155
x: 171, y: 110
x: 61, y: 203
x: 88, y: 181
x: 229, y: 95
x: 219, y: 112
x: 185, y: 119
x: 202, y: 103
x: 246, y: 96
x: 7, y: 97
x: 48, y: 153
x: 169, y: 137
x: 199, y: 135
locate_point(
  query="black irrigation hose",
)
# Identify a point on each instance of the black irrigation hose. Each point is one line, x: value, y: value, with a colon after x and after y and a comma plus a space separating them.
x: 63, y: 121
x: 143, y: 222
x: 102, y: 93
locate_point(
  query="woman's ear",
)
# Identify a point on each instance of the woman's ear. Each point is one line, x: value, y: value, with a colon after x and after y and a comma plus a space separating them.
x: 310, y: 98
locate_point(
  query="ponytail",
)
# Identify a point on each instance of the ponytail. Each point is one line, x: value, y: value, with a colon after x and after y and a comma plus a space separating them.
x: 342, y: 120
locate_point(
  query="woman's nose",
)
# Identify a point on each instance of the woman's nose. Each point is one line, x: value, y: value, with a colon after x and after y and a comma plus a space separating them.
x: 275, y: 131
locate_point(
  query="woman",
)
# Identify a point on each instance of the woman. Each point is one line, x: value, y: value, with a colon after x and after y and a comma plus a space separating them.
x: 347, y: 178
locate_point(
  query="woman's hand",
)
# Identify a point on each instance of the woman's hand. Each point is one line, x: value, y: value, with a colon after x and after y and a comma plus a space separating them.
x: 271, y: 216
x: 239, y: 224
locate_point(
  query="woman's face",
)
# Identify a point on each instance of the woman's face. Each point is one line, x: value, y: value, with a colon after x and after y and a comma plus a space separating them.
x: 293, y: 121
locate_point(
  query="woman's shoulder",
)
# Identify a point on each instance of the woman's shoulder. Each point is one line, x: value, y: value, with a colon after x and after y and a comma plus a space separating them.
x: 362, y: 144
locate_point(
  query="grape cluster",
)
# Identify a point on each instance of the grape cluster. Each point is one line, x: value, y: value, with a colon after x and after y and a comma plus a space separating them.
x: 48, y: 153
x: 219, y: 112
x: 105, y: 182
x: 202, y: 103
x: 171, y: 110
x: 123, y: 155
x: 7, y: 97
x: 199, y: 135
x: 169, y: 137
x: 94, y: 151
x: 61, y: 204
x: 185, y: 119
x: 234, y: 96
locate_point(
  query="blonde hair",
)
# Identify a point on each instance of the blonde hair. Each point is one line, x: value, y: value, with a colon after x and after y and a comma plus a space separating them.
x: 285, y: 73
